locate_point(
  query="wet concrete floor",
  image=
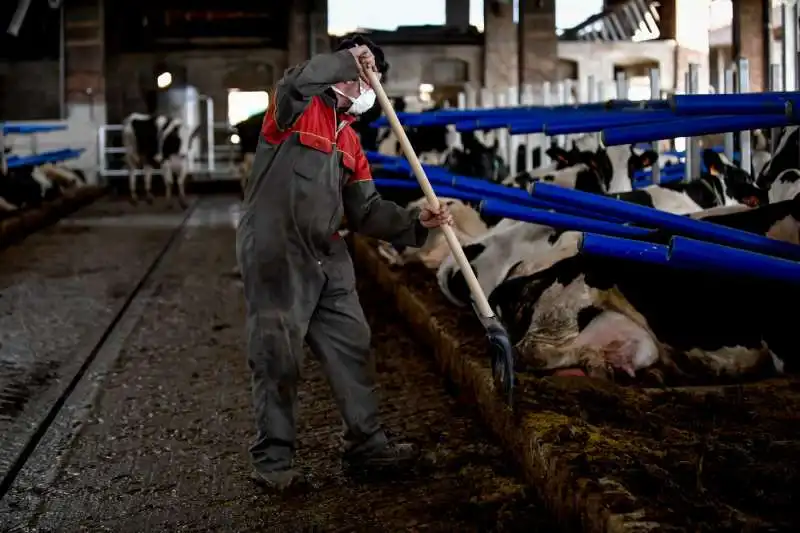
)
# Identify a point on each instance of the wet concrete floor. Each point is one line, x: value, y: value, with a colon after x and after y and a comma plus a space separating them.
x: 155, y: 437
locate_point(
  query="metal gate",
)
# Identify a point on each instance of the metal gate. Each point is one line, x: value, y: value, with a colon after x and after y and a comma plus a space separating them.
x: 210, y: 157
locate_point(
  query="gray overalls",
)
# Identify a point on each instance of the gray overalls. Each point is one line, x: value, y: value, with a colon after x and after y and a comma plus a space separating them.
x: 309, y: 171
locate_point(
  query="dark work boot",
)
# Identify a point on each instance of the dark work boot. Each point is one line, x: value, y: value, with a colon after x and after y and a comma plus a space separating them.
x: 280, y: 480
x: 390, y: 455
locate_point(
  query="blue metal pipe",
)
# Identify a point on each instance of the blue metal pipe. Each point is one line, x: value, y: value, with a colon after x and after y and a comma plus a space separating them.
x: 636, y: 104
x: 539, y: 125
x: 493, y: 123
x: 689, y: 127
x: 693, y: 254
x: 770, y: 103
x: 626, y: 249
x: 525, y: 127
x: 569, y: 126
x: 25, y: 129
x: 667, y: 221
x: 440, y: 190
x: 493, y: 190
x: 559, y: 220
x: 55, y: 156
x: 451, y: 116
x: 572, y: 117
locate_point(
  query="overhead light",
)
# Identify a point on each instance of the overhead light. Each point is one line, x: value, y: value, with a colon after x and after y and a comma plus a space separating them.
x: 164, y: 80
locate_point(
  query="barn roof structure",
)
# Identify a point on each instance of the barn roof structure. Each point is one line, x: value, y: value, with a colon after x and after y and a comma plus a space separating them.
x: 626, y: 21
x: 18, y: 18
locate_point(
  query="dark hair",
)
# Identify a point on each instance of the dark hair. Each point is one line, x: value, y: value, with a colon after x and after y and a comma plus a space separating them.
x: 359, y: 40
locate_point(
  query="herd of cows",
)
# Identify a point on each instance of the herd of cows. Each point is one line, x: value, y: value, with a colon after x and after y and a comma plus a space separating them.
x: 571, y: 313
x: 582, y: 315
x: 29, y: 186
x: 568, y: 312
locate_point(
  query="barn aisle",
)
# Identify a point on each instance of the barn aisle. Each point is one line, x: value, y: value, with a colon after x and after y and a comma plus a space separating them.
x: 157, y: 432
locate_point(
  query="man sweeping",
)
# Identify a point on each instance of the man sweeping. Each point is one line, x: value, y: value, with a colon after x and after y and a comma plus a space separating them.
x: 310, y: 170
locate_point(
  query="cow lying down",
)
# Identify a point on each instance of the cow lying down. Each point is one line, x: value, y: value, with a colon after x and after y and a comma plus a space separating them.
x: 610, y: 318
x: 467, y: 225
x: 28, y: 186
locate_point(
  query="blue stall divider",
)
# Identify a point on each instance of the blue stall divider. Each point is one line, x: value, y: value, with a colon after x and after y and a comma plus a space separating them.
x: 691, y: 253
x: 689, y: 126
x: 647, y: 216
x: 46, y: 157
x: 768, y: 103
x: 559, y: 220
x: 440, y: 190
x: 626, y: 249
x: 26, y: 129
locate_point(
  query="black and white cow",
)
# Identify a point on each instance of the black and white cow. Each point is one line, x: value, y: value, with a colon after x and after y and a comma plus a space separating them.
x: 494, y: 254
x: 19, y: 189
x: 780, y: 176
x: 578, y: 169
x: 27, y: 186
x: 473, y: 154
x: 605, y: 316
x: 156, y: 141
x: 724, y: 184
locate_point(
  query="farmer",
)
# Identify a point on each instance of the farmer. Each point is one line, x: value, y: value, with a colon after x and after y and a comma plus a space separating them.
x: 309, y: 170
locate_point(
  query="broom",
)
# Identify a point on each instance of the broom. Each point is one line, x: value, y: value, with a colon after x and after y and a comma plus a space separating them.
x: 502, y: 355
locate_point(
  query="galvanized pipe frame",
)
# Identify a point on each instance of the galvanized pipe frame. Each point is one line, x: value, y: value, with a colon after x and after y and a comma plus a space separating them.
x: 693, y: 159
x: 103, y: 150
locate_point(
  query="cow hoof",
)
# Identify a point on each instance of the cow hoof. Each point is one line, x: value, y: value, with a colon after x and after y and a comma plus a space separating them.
x: 134, y: 201
x: 149, y: 199
x: 183, y: 203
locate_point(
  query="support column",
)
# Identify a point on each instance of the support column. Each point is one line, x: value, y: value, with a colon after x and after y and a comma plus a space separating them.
x: 500, y: 45
x: 687, y: 22
x: 538, y: 42
x: 84, y: 54
x: 84, y: 76
x: 752, y: 22
x: 308, y: 30
x: 457, y: 13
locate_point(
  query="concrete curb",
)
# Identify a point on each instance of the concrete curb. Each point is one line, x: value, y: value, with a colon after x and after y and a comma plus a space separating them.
x: 17, y: 227
x: 578, y: 503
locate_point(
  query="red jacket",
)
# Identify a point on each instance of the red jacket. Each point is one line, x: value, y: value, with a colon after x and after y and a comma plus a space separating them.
x: 317, y: 128
x: 310, y: 170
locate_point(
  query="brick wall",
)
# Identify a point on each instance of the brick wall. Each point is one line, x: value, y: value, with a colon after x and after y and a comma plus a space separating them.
x: 752, y: 41
x: 500, y: 50
x: 534, y: 41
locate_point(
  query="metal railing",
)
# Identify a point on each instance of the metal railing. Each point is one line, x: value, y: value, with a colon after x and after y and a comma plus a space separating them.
x: 215, y: 163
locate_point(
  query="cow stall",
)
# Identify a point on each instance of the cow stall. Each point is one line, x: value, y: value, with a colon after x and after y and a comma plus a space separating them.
x: 653, y: 348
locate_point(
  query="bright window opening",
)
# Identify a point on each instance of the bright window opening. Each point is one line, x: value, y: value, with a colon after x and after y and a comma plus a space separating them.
x: 243, y: 104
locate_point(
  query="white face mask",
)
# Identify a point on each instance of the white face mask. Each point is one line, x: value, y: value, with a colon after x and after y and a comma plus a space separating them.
x: 363, y: 103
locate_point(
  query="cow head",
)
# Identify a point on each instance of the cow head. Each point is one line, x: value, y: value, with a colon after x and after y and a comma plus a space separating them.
x: 483, y: 161
x: 737, y: 183
x: 522, y: 157
x: 492, y: 256
x: 785, y: 156
x: 597, y: 177
x: 563, y: 158
x: 641, y: 161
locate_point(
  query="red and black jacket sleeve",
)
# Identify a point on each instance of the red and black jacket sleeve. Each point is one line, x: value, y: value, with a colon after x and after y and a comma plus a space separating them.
x: 369, y: 214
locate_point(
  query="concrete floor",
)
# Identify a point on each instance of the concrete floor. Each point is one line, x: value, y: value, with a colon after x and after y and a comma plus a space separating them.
x: 154, y: 437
